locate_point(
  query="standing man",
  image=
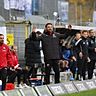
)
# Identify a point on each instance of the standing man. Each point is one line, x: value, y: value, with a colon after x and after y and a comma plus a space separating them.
x: 77, y: 51
x: 5, y: 60
x: 32, y: 53
x: 84, y: 54
x: 51, y: 50
x: 92, y: 53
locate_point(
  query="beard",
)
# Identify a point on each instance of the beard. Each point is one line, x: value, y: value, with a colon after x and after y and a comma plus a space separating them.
x: 1, y: 42
x: 50, y: 30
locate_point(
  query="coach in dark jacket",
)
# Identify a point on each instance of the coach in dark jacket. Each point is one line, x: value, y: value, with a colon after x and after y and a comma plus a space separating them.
x: 85, y: 54
x: 92, y: 53
x: 51, y: 50
x: 77, y: 50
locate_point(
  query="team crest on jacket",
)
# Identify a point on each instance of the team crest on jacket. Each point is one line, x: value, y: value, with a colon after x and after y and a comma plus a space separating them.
x: 92, y: 42
x: 4, y: 49
x: 83, y: 42
x: 54, y: 36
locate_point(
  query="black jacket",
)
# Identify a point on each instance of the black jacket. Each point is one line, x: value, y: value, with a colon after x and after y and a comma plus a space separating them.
x: 32, y: 51
x: 50, y: 45
x: 92, y: 46
x: 85, y: 46
x: 77, y: 47
x: 81, y: 46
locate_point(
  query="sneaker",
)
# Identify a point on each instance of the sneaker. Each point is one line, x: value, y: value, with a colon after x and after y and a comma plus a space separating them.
x: 71, y: 79
x: 81, y: 79
x: 26, y: 86
x: 16, y: 87
x: 20, y: 86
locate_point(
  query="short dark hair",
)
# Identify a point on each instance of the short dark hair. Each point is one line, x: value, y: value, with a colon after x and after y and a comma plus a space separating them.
x: 12, y: 47
x: 70, y: 25
x: 38, y: 32
x: 1, y: 35
x: 91, y: 30
x: 48, y: 24
x: 85, y: 31
x: 77, y: 33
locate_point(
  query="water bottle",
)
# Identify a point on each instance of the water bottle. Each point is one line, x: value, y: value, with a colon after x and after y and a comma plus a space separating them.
x: 0, y: 85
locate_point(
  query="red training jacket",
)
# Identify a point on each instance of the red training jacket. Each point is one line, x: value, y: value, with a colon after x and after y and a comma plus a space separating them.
x: 14, y: 58
x: 5, y: 56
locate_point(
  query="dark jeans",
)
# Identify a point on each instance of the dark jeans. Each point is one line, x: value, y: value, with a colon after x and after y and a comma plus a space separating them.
x: 33, y: 71
x: 25, y: 76
x: 48, y: 64
x: 3, y: 75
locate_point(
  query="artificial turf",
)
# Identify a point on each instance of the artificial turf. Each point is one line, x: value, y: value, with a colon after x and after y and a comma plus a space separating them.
x: 84, y: 93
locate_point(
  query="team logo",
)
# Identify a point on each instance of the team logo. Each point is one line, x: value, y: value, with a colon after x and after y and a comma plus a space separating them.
x: 54, y: 36
x: 4, y: 49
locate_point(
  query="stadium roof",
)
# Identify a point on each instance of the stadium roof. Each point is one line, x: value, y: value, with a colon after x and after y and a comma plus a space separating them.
x: 1, y: 18
x: 38, y: 19
x: 2, y: 21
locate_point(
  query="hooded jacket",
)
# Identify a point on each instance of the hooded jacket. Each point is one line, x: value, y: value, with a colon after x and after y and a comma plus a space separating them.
x: 32, y: 50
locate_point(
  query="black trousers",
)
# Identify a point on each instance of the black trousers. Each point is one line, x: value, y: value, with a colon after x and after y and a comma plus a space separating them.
x: 3, y: 76
x: 91, y: 67
x: 33, y: 71
x: 11, y: 75
x: 19, y: 75
x: 80, y: 67
x: 25, y: 76
x: 22, y: 75
x: 48, y: 64
x: 84, y: 69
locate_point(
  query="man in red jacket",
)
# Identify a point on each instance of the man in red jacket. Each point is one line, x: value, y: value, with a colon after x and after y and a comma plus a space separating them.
x: 5, y: 60
x: 12, y: 69
x: 16, y: 70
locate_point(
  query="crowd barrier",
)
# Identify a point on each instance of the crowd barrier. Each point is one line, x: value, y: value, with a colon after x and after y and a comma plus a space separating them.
x: 53, y: 89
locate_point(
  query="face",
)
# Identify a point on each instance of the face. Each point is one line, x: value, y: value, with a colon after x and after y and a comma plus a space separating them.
x: 85, y: 34
x: 1, y: 39
x: 49, y: 28
x: 14, y: 48
x: 34, y: 29
x: 78, y: 36
x: 69, y: 27
x: 92, y: 33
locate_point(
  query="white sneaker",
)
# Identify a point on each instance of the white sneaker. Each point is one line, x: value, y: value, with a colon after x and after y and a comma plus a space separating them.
x: 16, y: 86
x: 20, y: 86
x: 81, y: 78
x: 26, y: 86
x: 94, y: 76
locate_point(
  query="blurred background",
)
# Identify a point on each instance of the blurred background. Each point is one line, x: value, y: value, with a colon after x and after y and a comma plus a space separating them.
x: 18, y: 16
x: 78, y: 12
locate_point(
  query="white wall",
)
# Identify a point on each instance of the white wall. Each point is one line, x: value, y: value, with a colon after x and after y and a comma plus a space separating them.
x: 3, y: 31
